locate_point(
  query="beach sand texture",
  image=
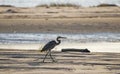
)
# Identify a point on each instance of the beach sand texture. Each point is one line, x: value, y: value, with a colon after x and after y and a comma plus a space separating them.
x: 30, y: 62
x: 60, y: 20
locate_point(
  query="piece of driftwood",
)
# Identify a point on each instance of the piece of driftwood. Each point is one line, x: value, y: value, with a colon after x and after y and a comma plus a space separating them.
x: 75, y: 50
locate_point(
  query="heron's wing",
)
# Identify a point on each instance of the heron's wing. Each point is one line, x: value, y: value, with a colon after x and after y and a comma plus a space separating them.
x: 50, y: 45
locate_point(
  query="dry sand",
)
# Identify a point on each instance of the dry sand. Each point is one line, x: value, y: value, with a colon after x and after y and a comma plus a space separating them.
x: 30, y: 62
x: 61, y: 20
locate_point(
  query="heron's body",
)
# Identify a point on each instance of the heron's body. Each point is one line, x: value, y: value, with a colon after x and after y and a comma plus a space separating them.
x: 50, y: 45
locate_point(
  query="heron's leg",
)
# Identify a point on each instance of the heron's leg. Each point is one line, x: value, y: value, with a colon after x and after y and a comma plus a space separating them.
x: 46, y: 56
x: 52, y: 57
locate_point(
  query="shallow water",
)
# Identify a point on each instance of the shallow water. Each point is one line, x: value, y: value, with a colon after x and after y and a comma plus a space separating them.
x: 6, y: 38
x: 32, y: 3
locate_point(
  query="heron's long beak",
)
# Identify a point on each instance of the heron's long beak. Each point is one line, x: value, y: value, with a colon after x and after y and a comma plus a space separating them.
x: 64, y: 37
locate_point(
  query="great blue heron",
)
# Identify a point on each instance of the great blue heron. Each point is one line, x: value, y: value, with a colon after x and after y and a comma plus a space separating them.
x: 50, y: 45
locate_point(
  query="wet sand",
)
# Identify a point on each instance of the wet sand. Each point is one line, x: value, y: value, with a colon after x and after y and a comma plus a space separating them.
x: 79, y: 25
x: 30, y: 62
x: 110, y: 47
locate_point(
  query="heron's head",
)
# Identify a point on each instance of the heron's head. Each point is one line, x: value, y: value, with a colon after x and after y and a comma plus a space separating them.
x: 60, y: 37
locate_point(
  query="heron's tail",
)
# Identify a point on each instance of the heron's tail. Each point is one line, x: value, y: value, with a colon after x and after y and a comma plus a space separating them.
x: 41, y: 51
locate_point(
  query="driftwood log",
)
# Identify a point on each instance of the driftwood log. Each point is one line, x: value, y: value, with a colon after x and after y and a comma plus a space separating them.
x: 75, y: 50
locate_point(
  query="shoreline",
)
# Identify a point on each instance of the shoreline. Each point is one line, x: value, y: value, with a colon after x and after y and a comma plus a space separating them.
x: 59, y: 20
x: 109, y: 47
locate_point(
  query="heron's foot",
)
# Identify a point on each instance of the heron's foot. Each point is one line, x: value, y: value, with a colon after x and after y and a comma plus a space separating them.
x: 43, y: 61
x: 55, y: 61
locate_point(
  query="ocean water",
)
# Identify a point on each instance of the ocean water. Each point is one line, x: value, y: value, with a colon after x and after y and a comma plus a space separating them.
x: 32, y: 3
x: 8, y: 38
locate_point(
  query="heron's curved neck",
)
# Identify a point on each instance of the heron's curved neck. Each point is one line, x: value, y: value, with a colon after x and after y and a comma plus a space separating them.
x: 58, y: 41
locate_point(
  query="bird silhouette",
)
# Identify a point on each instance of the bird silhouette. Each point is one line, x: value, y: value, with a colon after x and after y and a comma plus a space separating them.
x: 50, y: 45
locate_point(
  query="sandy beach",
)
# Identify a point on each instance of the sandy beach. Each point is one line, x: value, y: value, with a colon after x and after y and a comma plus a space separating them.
x: 59, y: 20
x: 21, y: 58
x: 30, y: 62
